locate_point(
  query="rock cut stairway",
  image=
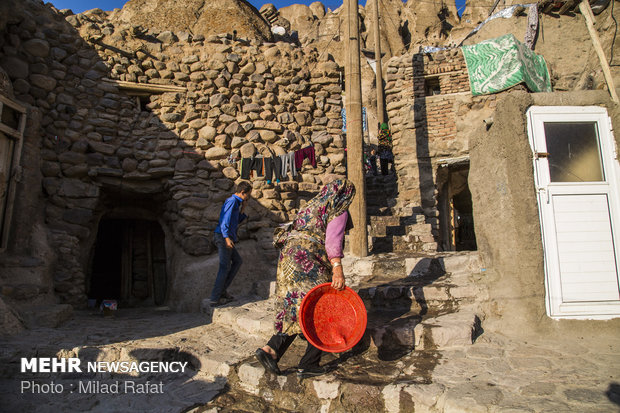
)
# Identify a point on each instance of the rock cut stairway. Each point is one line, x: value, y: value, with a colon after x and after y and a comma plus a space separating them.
x: 392, y: 229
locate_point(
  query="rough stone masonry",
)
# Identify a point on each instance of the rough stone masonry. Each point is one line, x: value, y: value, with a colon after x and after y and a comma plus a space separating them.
x: 143, y: 123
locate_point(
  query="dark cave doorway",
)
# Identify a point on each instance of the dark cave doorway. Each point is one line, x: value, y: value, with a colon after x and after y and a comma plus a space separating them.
x: 456, y: 217
x: 128, y: 263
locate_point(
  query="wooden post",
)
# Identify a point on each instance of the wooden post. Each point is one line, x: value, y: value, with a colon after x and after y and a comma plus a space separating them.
x: 586, y: 11
x: 379, y: 70
x: 355, y: 143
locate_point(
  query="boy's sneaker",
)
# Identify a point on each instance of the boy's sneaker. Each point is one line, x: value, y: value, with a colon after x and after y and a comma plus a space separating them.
x: 220, y: 302
x: 227, y: 296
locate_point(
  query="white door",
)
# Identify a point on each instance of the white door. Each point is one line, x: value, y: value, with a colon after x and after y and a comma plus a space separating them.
x: 576, y: 172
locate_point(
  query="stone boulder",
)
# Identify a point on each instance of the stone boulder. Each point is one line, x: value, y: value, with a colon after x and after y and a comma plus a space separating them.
x: 318, y: 9
x: 200, y: 17
x: 301, y: 17
x: 428, y: 25
x: 390, y: 27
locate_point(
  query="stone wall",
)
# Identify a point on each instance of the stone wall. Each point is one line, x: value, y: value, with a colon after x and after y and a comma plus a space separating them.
x: 163, y: 154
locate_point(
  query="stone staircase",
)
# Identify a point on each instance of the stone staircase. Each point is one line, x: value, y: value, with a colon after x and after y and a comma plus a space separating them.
x: 392, y: 229
x: 270, y: 14
x: 417, y: 306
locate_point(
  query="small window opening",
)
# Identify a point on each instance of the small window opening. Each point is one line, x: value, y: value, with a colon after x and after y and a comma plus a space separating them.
x: 431, y: 86
x: 10, y: 117
x: 143, y: 103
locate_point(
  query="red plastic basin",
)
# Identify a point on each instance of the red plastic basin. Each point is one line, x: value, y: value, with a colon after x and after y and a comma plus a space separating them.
x: 332, y: 320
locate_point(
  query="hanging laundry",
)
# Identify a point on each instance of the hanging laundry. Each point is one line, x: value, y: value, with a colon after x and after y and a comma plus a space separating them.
x: 288, y: 164
x: 251, y: 166
x: 257, y: 166
x: 304, y: 153
x: 246, y: 168
x: 273, y: 166
x: 532, y: 26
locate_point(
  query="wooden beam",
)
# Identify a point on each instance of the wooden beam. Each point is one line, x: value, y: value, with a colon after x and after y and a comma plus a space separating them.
x: 20, y: 107
x: 10, y: 131
x: 355, y: 141
x: 568, y: 6
x: 145, y: 87
x: 586, y: 11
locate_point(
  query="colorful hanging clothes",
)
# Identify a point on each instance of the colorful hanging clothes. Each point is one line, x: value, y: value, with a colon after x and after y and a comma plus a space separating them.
x: 303, y: 262
x: 385, y: 137
x: 304, y: 153
x: 385, y: 143
x: 288, y: 164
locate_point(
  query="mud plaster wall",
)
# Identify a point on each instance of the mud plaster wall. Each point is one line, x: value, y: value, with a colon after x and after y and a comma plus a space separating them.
x: 501, y: 180
x: 99, y: 153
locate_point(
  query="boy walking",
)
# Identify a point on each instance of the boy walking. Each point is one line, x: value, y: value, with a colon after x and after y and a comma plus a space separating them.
x: 225, y: 237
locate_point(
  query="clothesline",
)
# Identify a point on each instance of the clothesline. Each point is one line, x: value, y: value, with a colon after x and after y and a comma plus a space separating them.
x: 280, y: 165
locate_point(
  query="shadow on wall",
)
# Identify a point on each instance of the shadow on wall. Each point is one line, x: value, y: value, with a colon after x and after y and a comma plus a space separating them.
x: 425, y: 166
x: 111, y: 154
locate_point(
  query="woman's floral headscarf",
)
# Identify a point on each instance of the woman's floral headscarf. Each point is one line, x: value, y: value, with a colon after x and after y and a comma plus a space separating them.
x: 333, y: 200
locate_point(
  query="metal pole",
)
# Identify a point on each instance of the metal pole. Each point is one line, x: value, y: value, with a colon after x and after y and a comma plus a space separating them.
x: 355, y: 143
x: 379, y: 71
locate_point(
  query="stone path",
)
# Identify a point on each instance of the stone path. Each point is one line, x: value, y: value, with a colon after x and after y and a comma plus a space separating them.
x: 130, y: 335
x: 411, y: 359
x: 495, y: 374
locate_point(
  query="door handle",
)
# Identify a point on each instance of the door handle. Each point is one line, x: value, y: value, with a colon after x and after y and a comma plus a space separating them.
x: 543, y: 189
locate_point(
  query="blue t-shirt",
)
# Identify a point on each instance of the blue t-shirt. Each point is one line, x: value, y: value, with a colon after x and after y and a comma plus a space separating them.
x: 230, y: 217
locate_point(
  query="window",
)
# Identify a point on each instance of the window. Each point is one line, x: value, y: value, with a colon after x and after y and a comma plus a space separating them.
x: 431, y: 86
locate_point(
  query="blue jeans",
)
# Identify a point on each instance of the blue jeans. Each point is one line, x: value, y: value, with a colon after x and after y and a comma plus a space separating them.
x: 230, y: 262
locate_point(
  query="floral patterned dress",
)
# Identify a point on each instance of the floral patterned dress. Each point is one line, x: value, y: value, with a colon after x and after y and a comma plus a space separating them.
x: 303, y: 262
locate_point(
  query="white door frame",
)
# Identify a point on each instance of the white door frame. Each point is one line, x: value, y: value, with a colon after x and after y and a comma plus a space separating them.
x: 536, y: 116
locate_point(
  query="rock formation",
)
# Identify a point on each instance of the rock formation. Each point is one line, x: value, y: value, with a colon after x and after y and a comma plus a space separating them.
x: 198, y: 17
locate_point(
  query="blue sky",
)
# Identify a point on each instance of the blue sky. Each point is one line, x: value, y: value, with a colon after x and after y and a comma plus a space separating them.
x: 79, y: 6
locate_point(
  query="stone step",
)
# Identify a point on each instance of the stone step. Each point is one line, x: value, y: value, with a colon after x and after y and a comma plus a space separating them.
x: 449, y: 330
x: 254, y: 318
x: 429, y: 331
x: 394, y: 210
x: 385, y: 268
x: 401, y: 244
x: 379, y: 230
x: 378, y: 210
x: 264, y: 288
x: 441, y: 294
